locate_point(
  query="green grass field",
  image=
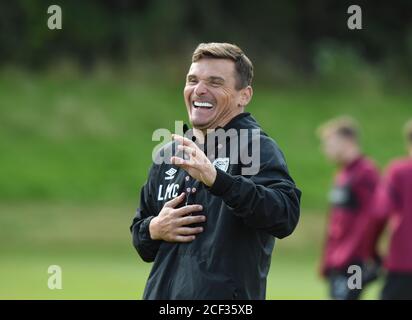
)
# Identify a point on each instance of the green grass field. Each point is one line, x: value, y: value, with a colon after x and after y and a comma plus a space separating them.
x: 76, y: 149
x: 93, y: 247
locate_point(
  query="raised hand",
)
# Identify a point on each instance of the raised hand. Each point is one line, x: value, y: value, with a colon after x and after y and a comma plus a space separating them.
x: 198, y: 166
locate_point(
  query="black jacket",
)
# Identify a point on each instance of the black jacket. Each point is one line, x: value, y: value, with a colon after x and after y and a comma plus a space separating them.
x: 230, y: 259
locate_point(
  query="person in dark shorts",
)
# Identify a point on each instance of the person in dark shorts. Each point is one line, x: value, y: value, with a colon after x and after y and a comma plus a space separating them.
x: 350, y: 199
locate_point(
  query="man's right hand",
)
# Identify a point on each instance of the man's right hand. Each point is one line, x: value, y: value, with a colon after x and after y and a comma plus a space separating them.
x: 170, y: 224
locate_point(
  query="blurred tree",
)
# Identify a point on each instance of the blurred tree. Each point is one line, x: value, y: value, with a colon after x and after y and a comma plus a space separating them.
x: 289, y: 32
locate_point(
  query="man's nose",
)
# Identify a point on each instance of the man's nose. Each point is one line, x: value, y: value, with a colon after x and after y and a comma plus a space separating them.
x: 200, y: 88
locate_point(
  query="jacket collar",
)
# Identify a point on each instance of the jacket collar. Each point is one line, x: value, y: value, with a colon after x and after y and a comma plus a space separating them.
x: 233, y: 123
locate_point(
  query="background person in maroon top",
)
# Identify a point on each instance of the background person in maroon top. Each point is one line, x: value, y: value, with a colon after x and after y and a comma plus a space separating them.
x: 394, y: 206
x: 350, y: 201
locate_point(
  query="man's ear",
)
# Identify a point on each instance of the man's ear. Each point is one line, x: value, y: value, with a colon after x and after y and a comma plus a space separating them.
x: 245, y: 96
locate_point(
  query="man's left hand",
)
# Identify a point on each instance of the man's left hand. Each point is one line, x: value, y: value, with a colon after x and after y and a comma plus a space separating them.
x: 198, y: 166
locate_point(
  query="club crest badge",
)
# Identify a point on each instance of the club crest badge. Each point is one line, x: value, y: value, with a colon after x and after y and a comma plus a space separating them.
x: 221, y: 163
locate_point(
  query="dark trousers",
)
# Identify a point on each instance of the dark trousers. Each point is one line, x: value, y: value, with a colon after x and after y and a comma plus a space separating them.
x: 339, y: 289
x: 398, y: 286
x: 338, y: 281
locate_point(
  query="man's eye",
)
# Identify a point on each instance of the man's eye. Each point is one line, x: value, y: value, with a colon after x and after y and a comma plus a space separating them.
x: 216, y: 84
x: 191, y: 81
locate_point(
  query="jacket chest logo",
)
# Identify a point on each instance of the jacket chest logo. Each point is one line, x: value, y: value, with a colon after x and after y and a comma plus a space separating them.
x: 170, y: 174
x: 170, y: 191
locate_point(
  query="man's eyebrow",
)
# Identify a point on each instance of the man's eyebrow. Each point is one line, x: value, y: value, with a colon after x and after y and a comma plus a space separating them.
x: 211, y: 78
x: 216, y: 78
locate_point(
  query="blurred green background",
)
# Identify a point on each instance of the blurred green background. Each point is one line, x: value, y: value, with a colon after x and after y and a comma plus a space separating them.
x: 78, y: 107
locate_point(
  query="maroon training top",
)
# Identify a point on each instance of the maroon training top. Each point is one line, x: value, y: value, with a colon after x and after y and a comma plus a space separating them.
x: 394, y: 203
x: 350, y: 213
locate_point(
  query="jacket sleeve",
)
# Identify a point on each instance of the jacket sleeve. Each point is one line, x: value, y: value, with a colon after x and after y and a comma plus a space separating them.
x: 384, y: 202
x: 145, y: 246
x: 370, y: 228
x: 268, y: 200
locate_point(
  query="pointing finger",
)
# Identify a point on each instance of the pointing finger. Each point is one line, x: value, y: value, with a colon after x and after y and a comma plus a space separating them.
x: 184, y: 238
x: 191, y: 219
x: 188, y: 209
x: 188, y: 150
x: 175, y: 201
x: 181, y: 162
x: 186, y: 231
x: 185, y: 141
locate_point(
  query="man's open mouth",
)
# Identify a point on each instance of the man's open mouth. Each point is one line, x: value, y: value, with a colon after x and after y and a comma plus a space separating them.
x: 198, y: 104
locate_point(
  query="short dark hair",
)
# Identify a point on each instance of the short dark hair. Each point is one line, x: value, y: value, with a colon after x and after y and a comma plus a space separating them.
x: 243, y: 66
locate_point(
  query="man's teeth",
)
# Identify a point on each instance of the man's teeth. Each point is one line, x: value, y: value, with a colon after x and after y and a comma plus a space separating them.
x: 202, y: 104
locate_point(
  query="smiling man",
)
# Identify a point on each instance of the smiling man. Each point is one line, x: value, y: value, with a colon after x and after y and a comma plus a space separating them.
x: 212, y: 232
